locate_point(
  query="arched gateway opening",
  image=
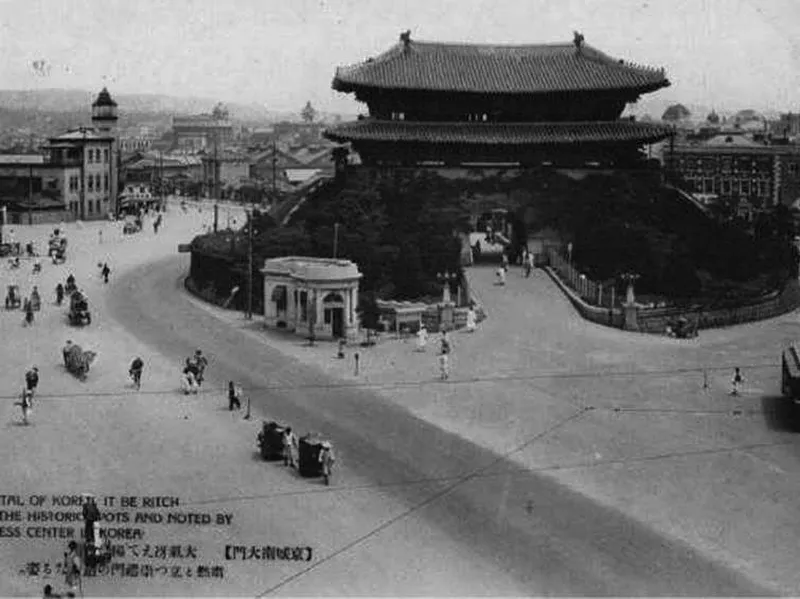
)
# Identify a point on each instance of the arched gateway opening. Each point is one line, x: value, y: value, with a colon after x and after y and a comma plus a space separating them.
x: 333, y: 313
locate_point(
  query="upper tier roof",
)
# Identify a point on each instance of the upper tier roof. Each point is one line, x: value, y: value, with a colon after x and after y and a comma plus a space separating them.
x: 480, y: 68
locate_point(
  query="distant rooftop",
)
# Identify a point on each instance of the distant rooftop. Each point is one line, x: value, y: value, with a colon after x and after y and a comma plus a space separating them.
x: 82, y: 134
x: 21, y: 159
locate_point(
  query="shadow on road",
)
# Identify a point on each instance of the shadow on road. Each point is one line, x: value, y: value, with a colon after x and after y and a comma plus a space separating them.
x: 780, y: 414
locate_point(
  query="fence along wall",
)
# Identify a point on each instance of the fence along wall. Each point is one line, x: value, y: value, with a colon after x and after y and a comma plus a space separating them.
x: 594, y: 303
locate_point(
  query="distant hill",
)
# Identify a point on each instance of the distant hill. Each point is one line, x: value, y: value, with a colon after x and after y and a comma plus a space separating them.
x: 68, y: 100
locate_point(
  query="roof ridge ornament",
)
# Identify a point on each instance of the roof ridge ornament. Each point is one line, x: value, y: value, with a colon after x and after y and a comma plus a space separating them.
x: 405, y: 37
x: 577, y: 40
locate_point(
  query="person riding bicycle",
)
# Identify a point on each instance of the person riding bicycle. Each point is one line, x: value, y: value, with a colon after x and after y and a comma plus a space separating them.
x: 136, y: 372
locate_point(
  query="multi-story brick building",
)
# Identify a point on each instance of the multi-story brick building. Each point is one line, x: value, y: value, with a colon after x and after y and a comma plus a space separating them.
x: 79, y: 168
x: 201, y: 131
x: 751, y: 176
x: 26, y: 180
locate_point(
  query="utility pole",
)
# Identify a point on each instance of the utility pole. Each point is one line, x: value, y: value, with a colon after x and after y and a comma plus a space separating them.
x: 161, y: 179
x: 250, y: 264
x: 274, y: 168
x: 30, y: 194
x: 335, y: 238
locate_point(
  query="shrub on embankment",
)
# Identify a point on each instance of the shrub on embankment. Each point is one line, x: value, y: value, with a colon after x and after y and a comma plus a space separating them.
x: 401, y: 237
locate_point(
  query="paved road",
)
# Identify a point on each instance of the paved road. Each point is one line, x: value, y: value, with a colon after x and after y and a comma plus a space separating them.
x: 540, y: 537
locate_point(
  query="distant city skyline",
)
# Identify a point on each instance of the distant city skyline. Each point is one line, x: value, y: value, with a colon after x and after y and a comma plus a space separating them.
x: 728, y: 54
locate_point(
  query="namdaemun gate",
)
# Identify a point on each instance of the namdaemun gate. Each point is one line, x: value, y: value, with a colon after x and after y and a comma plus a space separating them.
x: 452, y: 105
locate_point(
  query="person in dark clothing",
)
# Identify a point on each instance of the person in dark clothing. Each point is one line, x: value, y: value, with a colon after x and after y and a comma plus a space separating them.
x: 234, y: 401
x: 59, y: 294
x: 135, y: 372
x: 91, y: 514
x: 105, y: 272
x: 32, y: 379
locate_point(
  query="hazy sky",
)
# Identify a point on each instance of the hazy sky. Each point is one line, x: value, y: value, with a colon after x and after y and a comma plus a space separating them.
x: 729, y: 53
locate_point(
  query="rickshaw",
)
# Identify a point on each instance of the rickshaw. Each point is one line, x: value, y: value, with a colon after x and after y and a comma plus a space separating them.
x: 270, y: 441
x: 13, y: 299
x: 309, y: 465
x: 79, y: 310
x: 131, y: 225
x: 58, y: 249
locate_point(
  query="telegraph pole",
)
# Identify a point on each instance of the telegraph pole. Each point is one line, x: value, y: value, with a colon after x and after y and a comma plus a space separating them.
x: 250, y: 264
x: 274, y: 167
x: 30, y: 194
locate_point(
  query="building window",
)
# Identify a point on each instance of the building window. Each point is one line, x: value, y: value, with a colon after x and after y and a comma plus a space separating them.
x: 763, y: 189
x: 97, y: 206
x: 745, y: 186
x: 726, y: 186
x: 89, y: 206
x: 105, y: 182
x: 97, y: 179
x: 91, y: 183
x: 793, y: 168
x: 105, y: 156
x: 708, y: 185
x: 89, y: 156
x: 328, y: 313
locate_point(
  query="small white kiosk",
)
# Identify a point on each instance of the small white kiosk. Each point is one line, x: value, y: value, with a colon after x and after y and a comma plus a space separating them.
x: 305, y: 294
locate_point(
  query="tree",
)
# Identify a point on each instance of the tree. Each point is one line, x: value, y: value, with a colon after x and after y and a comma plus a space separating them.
x: 676, y: 112
x: 220, y: 112
x: 308, y: 113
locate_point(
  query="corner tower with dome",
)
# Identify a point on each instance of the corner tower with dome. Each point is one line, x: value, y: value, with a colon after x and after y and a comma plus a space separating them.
x: 95, y: 152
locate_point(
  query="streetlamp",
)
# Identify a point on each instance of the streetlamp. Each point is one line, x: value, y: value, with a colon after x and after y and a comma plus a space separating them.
x: 446, y: 278
x: 630, y: 279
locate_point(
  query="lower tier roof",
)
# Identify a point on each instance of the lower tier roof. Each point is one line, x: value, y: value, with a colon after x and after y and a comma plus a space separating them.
x: 372, y: 130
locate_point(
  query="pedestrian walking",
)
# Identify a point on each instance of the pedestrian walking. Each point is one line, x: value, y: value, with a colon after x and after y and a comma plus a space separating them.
x: 59, y: 294
x: 100, y: 236
x: 326, y: 460
x: 290, y: 446
x: 505, y: 261
x: 234, y: 396
x: 501, y: 276
x: 36, y: 299
x: 189, y: 382
x: 444, y: 366
x: 26, y: 403
x: 737, y: 381
x: 472, y: 319
x: 32, y: 379
x: 105, y: 272
x: 135, y: 372
x: 528, y: 264
x: 91, y: 514
x: 28, y: 313
x: 422, y: 338
x: 72, y: 568
x: 445, y: 343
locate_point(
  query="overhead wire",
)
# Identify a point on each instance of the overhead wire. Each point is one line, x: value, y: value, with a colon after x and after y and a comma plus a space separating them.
x: 421, y: 504
x: 424, y: 382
